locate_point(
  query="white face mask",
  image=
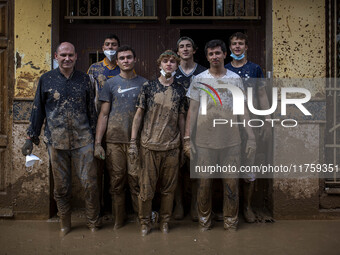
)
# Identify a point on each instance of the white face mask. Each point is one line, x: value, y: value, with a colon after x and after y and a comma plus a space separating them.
x: 167, y: 76
x: 110, y: 54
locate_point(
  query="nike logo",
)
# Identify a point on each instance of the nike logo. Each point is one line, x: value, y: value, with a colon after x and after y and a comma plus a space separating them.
x: 179, y: 76
x: 125, y: 90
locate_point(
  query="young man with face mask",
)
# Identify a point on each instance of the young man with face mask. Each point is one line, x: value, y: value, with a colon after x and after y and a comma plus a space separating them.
x: 119, y: 97
x: 107, y: 68
x: 99, y: 73
x: 251, y: 74
x: 161, y: 106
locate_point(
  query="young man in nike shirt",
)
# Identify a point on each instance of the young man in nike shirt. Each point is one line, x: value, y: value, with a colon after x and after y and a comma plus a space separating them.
x: 251, y: 74
x: 160, y: 112
x: 187, y: 69
x: 119, y: 97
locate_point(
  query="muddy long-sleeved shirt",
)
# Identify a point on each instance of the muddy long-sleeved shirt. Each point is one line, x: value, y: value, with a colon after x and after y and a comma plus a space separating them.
x: 68, y: 106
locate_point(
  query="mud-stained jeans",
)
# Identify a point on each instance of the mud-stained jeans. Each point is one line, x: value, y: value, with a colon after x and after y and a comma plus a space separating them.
x: 80, y: 160
x: 121, y: 170
x: 157, y: 166
x: 223, y: 157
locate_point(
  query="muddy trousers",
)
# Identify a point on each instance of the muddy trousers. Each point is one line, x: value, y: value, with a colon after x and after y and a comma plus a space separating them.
x: 80, y: 160
x: 223, y: 157
x: 162, y: 167
x: 121, y: 171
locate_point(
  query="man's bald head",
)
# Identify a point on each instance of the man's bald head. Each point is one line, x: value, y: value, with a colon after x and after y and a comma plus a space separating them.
x: 66, y: 57
x: 65, y: 44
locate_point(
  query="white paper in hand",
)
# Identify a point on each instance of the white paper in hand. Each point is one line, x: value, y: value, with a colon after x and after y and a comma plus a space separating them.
x: 31, y: 159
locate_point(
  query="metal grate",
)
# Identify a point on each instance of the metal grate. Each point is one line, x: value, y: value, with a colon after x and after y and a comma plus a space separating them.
x: 214, y: 10
x: 332, y: 145
x: 111, y: 9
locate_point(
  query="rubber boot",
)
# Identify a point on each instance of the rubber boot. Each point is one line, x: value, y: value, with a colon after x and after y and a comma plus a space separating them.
x: 193, y: 207
x: 179, y: 211
x: 248, y: 190
x: 119, y: 209
x: 144, y: 213
x: 165, y: 211
x: 65, y: 225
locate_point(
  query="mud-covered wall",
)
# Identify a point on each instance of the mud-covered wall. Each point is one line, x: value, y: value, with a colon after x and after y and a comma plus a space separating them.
x: 30, y: 187
x: 299, y: 52
x: 32, y: 44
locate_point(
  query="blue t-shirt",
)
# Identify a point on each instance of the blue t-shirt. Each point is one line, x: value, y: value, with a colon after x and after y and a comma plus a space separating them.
x: 102, y: 72
x: 249, y: 70
x: 252, y: 76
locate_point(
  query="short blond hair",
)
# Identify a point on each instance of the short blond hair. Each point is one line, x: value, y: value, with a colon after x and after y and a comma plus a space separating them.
x: 166, y: 54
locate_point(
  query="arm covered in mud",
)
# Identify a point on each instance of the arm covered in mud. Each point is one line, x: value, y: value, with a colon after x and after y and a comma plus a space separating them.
x: 38, y: 114
x: 100, y: 130
x: 190, y: 125
x: 137, y: 121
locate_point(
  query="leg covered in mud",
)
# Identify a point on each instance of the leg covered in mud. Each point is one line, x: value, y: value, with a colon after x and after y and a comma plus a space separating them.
x: 83, y: 163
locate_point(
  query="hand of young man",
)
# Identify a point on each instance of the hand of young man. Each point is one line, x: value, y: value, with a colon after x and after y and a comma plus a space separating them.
x: 27, y: 148
x: 133, y: 151
x: 99, y: 151
x: 189, y: 148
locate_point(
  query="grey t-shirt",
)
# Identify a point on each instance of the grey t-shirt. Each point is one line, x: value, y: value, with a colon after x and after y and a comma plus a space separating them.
x: 122, y: 94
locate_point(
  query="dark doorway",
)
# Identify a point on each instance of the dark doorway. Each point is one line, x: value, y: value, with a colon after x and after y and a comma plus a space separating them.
x: 202, y: 36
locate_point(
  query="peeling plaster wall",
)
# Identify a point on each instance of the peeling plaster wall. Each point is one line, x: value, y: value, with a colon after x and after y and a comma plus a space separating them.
x: 32, y: 44
x: 32, y: 51
x: 30, y: 186
x: 299, y: 41
x: 296, y: 198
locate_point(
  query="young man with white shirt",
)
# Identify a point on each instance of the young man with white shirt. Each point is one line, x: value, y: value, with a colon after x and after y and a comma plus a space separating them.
x: 221, y: 144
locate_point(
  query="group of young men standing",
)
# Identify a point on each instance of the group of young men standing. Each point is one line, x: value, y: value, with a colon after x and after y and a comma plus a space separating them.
x: 143, y: 130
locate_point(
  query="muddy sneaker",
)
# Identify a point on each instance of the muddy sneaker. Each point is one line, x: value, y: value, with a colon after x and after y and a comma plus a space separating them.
x: 145, y: 229
x: 204, y: 228
x: 93, y: 229
x: 164, y: 227
x: 230, y: 224
x: 65, y: 226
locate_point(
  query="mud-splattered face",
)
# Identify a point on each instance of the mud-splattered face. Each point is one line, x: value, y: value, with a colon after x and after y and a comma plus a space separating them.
x: 185, y: 50
x: 110, y: 44
x: 216, y: 56
x: 66, y: 56
x: 238, y: 46
x: 168, y: 64
x: 126, y: 61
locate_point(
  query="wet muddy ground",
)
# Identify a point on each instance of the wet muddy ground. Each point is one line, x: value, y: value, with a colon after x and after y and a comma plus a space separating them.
x: 281, y: 237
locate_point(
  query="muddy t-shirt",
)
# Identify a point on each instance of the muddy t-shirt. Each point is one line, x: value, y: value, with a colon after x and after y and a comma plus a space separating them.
x: 215, y: 97
x: 122, y: 94
x: 162, y: 106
